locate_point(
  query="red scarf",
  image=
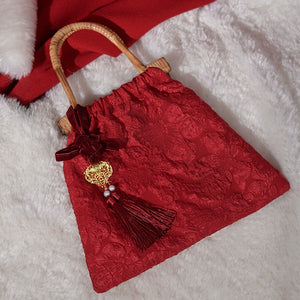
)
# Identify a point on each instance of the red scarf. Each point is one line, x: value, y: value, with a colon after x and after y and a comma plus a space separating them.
x: 128, y: 18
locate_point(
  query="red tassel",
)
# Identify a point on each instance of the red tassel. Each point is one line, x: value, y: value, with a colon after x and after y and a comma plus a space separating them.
x: 144, y: 222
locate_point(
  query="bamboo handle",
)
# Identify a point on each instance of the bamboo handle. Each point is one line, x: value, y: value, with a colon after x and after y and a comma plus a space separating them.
x: 55, y: 47
x: 62, y: 34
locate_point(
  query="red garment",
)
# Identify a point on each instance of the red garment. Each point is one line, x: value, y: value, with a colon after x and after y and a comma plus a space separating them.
x: 129, y: 18
x: 179, y: 154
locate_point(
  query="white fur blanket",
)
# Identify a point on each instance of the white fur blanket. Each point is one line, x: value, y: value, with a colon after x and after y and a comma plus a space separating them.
x: 242, y: 57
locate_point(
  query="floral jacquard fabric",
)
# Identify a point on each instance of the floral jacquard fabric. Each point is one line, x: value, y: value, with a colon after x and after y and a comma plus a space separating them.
x: 178, y: 154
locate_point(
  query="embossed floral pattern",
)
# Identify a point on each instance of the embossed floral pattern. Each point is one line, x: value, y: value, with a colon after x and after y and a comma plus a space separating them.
x: 179, y: 154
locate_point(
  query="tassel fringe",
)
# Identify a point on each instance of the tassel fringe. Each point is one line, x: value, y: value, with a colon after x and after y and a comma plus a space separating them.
x: 144, y: 222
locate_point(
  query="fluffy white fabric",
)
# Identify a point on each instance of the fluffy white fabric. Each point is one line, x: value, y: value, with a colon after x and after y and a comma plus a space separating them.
x: 17, y: 36
x: 241, y: 57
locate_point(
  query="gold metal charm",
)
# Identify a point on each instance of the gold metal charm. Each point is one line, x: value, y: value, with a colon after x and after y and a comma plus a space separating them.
x: 99, y: 174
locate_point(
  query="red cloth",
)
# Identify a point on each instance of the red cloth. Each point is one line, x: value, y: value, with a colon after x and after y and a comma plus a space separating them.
x: 180, y: 155
x: 129, y: 18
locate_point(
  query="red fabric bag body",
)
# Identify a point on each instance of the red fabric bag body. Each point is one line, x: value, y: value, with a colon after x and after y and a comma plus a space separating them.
x: 174, y: 152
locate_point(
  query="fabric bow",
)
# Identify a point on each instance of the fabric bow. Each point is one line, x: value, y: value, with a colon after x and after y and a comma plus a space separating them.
x: 88, y: 144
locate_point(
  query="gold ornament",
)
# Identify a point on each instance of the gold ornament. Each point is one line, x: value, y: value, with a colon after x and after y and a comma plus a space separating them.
x: 99, y: 174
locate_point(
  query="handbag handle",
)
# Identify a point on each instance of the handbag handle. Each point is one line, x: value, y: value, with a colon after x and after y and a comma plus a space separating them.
x: 62, y: 34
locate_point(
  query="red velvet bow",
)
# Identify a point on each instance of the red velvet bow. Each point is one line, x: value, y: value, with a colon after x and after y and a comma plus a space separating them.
x: 86, y: 143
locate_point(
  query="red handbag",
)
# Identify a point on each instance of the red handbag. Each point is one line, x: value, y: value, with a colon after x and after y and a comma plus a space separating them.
x: 167, y: 170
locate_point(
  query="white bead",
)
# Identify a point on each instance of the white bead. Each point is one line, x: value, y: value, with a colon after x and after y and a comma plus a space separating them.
x: 106, y: 193
x: 111, y: 188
